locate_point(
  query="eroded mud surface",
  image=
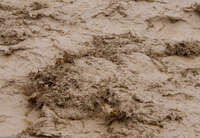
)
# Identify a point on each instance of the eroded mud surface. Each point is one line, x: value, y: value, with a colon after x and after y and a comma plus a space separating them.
x: 100, y: 68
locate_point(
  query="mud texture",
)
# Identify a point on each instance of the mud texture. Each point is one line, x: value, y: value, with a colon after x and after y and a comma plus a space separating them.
x: 100, y: 68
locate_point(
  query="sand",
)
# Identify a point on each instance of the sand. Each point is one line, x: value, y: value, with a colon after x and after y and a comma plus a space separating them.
x: 100, y: 68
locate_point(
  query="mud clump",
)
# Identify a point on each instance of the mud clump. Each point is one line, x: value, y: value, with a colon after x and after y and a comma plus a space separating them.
x: 13, y: 36
x: 107, y: 47
x: 183, y: 48
x: 112, y: 47
x: 7, y: 51
x: 196, y: 7
x: 63, y: 93
x: 164, y: 18
x: 114, y: 8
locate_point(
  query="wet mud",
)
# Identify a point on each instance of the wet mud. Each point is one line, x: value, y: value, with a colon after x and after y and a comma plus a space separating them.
x: 100, y: 69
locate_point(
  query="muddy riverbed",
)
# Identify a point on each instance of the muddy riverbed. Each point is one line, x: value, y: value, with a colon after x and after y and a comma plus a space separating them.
x: 100, y: 68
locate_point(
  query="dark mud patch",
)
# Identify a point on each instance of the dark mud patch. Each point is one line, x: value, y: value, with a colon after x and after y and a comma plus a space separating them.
x: 183, y: 48
x: 38, y: 5
x: 113, y: 47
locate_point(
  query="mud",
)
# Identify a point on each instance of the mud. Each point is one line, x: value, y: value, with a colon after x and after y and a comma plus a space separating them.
x: 100, y: 69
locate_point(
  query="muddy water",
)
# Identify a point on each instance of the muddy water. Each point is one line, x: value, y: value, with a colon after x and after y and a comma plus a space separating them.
x: 100, y: 68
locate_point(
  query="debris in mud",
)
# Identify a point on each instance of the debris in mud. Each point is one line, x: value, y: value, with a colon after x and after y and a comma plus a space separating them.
x: 65, y: 90
x: 106, y: 47
x: 174, y: 19
x: 6, y: 7
x: 190, y: 72
x: 37, y: 130
x: 195, y: 7
x: 164, y: 18
x: 67, y: 58
x: 183, y: 48
x: 11, y: 50
x: 13, y: 36
x: 33, y: 12
x: 112, y: 47
x: 112, y: 9
x: 38, y: 5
